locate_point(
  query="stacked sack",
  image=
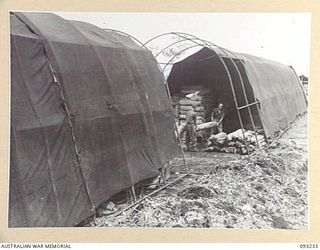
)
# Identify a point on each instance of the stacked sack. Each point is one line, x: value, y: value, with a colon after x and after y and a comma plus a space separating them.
x: 250, y: 137
x: 235, y: 142
x: 185, y: 104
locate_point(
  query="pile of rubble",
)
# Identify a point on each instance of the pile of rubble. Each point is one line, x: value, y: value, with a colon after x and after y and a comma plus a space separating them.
x: 265, y: 190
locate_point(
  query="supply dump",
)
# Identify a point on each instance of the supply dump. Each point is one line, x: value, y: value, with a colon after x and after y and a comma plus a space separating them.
x: 101, y: 136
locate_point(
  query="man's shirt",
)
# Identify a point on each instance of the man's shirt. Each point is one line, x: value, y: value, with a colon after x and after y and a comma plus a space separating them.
x: 217, y: 114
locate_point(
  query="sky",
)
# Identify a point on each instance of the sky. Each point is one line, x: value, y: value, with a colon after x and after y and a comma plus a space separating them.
x: 281, y: 37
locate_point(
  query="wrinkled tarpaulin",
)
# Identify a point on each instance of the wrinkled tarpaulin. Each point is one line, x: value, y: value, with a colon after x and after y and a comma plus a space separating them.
x: 104, y: 124
x: 275, y: 85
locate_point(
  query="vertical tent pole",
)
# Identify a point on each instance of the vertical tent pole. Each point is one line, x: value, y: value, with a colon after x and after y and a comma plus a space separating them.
x: 133, y: 192
x: 73, y: 137
x: 247, y: 102
x: 265, y: 135
x: 177, y: 131
x: 245, y: 93
x: 162, y: 174
x: 235, y: 100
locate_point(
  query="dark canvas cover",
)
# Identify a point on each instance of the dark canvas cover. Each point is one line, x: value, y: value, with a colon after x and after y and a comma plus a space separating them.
x: 90, y: 117
x: 278, y: 88
x: 275, y: 85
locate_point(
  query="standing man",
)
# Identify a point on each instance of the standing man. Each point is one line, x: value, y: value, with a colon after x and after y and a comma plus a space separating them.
x: 217, y: 117
x: 191, y: 119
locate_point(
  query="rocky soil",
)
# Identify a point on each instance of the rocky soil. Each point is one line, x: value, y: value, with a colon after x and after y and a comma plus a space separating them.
x: 267, y: 190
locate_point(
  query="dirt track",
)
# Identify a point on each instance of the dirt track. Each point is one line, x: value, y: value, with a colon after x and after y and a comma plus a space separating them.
x: 265, y: 190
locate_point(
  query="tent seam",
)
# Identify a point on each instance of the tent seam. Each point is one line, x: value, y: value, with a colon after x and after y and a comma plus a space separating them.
x: 65, y: 108
x: 49, y: 162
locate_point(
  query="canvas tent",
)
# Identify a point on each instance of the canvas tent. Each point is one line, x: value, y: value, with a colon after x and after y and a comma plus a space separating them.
x: 246, y: 84
x: 90, y: 117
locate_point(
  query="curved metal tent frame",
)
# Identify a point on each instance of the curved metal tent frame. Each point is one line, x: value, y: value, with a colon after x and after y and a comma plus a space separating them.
x: 170, y: 45
x: 227, y: 54
x: 128, y: 35
x: 197, y: 42
x: 133, y: 192
x: 212, y: 46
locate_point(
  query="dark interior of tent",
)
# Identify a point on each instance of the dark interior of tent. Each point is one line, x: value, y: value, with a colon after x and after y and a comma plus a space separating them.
x: 205, y: 71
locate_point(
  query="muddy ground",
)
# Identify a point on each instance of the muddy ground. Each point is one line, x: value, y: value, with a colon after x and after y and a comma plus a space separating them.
x: 265, y: 190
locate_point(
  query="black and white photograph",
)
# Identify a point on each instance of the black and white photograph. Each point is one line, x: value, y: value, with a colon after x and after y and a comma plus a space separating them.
x: 159, y: 120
